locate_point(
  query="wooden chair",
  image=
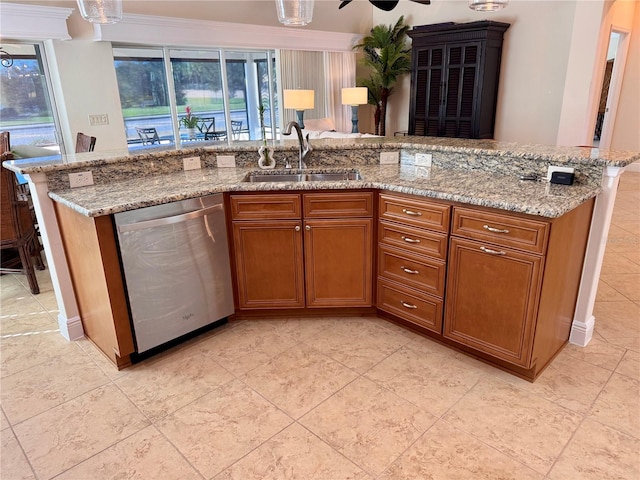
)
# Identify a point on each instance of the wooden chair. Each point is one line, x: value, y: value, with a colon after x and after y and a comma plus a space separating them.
x: 17, y: 228
x: 85, y: 143
x: 148, y: 135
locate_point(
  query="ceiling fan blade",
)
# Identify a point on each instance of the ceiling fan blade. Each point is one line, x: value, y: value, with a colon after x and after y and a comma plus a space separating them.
x: 344, y: 4
x: 386, y: 5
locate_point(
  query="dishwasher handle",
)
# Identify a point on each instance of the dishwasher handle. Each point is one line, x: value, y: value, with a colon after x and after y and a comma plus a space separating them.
x: 159, y: 222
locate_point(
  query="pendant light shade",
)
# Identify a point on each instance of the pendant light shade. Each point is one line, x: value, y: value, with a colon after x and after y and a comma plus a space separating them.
x: 101, y: 11
x: 295, y: 13
x: 487, y: 5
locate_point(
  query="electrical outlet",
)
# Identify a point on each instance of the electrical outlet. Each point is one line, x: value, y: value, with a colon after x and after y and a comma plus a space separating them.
x: 191, y: 163
x: 80, y: 179
x: 389, y: 158
x: 226, y: 161
x: 99, y: 119
x: 423, y: 159
x: 552, y: 169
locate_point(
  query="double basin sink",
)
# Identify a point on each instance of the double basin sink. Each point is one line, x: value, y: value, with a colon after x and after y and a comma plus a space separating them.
x: 303, y: 176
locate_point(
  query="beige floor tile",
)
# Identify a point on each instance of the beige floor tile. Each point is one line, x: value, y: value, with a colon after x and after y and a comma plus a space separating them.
x: 360, y: 343
x: 22, y: 352
x: 628, y: 284
x: 4, y: 423
x: 220, y: 428
x: 100, y: 359
x: 597, y: 352
x: 298, y: 379
x: 617, y: 319
x: 629, y: 343
x: 522, y: 425
x: 39, y: 388
x: 597, y: 452
x: 630, y: 365
x: 614, y: 263
x: 163, y: 385
x: 70, y: 433
x: 618, y: 405
x: 431, y: 378
x: 444, y: 453
x: 143, y: 456
x: 294, y: 453
x: 568, y: 382
x: 23, y: 303
x: 369, y: 425
x: 607, y: 293
x: 247, y: 345
x: 35, y: 323
x: 13, y: 463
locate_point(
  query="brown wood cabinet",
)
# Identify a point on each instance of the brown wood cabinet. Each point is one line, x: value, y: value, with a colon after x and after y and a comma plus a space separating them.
x: 313, y: 250
x: 412, y: 249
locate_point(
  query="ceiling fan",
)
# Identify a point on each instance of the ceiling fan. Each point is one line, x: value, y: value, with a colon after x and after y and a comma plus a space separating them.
x: 386, y: 5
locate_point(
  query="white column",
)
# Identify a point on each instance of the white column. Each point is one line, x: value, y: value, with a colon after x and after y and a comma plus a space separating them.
x: 583, y: 320
x: 69, y: 317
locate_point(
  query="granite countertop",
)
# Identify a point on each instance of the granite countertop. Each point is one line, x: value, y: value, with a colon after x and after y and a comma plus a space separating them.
x: 475, y: 172
x: 475, y: 188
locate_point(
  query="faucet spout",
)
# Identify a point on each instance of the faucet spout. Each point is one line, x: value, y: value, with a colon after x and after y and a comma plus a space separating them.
x: 305, y: 148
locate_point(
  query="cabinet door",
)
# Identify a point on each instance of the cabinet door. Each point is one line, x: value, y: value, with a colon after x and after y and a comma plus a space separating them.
x: 269, y: 264
x: 492, y: 299
x: 461, y: 89
x: 338, y: 262
x: 428, y: 86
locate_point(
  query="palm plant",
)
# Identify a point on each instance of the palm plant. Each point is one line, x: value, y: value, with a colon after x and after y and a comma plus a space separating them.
x: 388, y: 56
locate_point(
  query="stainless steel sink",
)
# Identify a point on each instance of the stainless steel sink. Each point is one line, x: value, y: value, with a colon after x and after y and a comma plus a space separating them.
x: 303, y: 177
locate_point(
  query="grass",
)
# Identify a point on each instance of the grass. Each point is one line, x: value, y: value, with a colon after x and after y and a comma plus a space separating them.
x: 197, y: 104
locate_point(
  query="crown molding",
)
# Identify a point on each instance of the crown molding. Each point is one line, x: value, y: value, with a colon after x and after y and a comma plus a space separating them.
x: 33, y: 22
x: 152, y: 30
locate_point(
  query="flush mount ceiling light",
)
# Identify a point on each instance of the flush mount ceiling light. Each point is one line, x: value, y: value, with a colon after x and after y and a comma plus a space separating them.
x: 101, y: 11
x: 487, y: 5
x: 386, y: 5
x: 295, y: 13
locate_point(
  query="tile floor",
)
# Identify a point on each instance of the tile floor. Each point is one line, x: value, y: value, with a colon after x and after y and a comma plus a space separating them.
x: 324, y: 398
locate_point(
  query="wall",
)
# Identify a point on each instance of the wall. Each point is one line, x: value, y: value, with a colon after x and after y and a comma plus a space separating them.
x: 626, y: 132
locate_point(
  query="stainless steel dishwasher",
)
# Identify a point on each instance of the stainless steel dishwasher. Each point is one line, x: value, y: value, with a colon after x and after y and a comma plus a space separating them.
x: 175, y: 259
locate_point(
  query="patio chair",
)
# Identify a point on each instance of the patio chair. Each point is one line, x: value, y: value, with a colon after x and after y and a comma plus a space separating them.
x: 236, y: 129
x: 148, y: 135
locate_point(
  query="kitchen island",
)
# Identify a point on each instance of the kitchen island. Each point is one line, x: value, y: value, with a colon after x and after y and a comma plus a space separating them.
x: 480, y: 174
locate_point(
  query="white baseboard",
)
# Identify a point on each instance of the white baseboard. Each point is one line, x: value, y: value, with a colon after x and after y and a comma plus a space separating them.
x: 581, y: 333
x: 71, y: 328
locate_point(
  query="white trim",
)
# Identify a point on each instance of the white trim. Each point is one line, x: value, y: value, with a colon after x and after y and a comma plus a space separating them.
x: 581, y: 333
x: 33, y: 22
x: 70, y: 328
x: 152, y: 30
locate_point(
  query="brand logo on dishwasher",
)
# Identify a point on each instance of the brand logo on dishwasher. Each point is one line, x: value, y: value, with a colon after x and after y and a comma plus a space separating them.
x: 187, y: 316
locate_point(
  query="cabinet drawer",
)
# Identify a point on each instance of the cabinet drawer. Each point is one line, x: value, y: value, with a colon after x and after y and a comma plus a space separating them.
x: 417, y: 240
x: 508, y: 230
x: 262, y: 207
x: 408, y: 269
x: 338, y: 205
x: 416, y: 307
x: 417, y: 212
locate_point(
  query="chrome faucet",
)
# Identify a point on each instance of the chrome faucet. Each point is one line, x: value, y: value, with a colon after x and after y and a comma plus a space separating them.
x: 305, y: 146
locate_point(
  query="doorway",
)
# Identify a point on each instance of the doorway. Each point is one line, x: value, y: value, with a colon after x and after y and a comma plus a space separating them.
x: 610, y: 92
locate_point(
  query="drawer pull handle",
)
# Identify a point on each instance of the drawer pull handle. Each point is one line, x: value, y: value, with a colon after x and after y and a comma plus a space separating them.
x: 495, y: 230
x: 307, y: 228
x: 408, y: 305
x: 410, y: 240
x: 408, y: 270
x: 297, y: 229
x: 492, y: 252
x: 411, y: 212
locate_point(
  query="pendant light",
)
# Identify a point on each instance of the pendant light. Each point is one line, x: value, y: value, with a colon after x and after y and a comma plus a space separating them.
x: 487, y: 5
x: 295, y: 13
x: 101, y: 11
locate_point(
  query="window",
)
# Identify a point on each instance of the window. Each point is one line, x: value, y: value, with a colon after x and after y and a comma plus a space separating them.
x: 25, y: 103
x: 222, y: 89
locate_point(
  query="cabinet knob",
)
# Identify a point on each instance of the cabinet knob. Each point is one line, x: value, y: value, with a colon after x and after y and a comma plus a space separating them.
x: 492, y: 252
x: 297, y: 229
x: 408, y: 305
x: 408, y: 270
x: 307, y: 228
x: 495, y: 230
x: 411, y: 212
